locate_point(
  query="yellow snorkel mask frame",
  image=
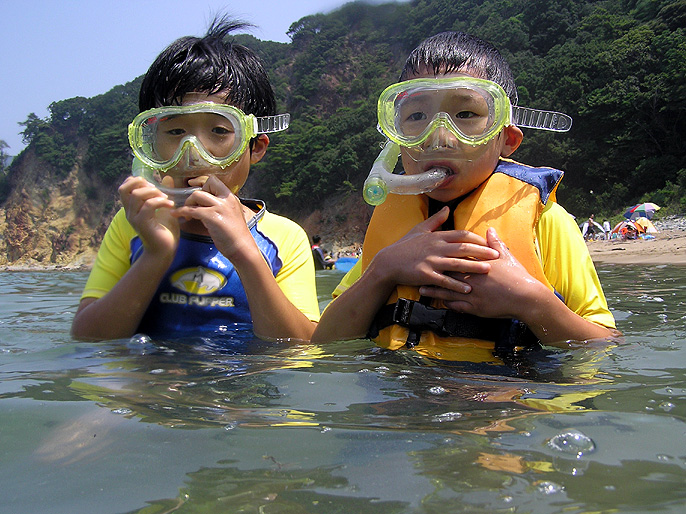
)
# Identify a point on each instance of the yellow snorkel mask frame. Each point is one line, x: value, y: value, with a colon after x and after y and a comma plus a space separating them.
x: 144, y: 134
x: 473, y: 110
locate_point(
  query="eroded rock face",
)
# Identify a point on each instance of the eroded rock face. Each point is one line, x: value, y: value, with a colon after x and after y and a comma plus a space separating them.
x: 52, y: 221
x: 49, y: 220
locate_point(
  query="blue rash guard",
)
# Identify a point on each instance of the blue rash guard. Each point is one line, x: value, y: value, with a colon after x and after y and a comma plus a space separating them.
x: 201, y: 293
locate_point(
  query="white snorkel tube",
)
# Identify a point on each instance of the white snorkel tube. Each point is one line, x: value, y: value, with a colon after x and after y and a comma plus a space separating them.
x: 382, y: 180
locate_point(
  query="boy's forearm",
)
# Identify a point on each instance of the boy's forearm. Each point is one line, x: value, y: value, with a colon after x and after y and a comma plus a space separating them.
x: 273, y: 314
x: 552, y: 321
x: 119, y: 312
x: 350, y: 315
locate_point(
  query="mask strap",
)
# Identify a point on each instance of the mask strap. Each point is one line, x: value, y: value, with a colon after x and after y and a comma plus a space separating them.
x: 537, y: 119
x: 268, y: 124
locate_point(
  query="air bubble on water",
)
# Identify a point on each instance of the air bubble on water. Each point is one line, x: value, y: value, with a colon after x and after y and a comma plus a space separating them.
x: 446, y: 416
x: 546, y: 487
x: 230, y: 425
x: 437, y: 390
x: 572, y: 442
x: 140, y: 339
x: 667, y: 406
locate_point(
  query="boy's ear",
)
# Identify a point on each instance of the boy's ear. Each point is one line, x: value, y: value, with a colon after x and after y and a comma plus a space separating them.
x: 259, y: 148
x: 512, y: 139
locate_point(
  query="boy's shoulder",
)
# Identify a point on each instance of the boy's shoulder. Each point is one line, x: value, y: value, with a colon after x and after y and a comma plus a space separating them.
x: 282, y: 230
x: 121, y: 226
x: 544, y: 178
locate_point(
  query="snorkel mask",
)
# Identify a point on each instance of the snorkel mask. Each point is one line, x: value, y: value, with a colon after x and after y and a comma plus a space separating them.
x: 450, y: 118
x: 175, y: 143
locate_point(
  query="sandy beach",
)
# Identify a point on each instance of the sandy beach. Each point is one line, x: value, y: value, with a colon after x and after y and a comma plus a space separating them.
x: 668, y: 247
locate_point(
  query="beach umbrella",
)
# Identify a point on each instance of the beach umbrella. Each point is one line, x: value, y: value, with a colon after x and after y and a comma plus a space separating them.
x: 641, y: 210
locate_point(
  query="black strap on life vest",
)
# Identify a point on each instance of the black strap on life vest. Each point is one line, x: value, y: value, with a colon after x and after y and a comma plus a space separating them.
x: 507, y: 334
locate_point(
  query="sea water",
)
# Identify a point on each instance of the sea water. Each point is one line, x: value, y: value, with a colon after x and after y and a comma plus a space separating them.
x: 244, y: 426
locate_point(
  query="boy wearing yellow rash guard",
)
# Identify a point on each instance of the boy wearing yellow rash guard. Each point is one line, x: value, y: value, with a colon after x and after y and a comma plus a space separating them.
x: 486, y: 261
x: 186, y: 256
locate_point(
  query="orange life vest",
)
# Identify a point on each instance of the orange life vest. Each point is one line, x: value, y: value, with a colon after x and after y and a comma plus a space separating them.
x: 510, y: 200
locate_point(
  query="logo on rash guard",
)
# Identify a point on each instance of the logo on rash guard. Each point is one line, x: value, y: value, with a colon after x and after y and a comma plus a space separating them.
x: 198, y: 280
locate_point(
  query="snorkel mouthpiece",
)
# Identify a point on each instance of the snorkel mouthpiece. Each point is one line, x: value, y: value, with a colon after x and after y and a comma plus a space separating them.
x: 177, y: 195
x: 382, y: 180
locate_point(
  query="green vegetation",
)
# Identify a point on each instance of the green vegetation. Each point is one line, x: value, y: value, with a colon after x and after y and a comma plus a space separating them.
x: 3, y: 171
x: 616, y: 66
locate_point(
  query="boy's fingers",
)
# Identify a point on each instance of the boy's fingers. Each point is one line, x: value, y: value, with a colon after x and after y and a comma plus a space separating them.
x: 497, y: 244
x: 198, y: 181
x: 432, y: 223
x: 167, y: 181
x: 216, y: 187
x: 453, y: 290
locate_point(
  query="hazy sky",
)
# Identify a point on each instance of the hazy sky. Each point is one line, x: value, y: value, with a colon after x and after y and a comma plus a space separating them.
x: 52, y: 50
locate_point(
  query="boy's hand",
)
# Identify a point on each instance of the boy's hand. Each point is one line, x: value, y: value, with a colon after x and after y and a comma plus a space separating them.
x: 221, y: 212
x: 148, y: 210
x: 426, y: 257
x: 502, y: 293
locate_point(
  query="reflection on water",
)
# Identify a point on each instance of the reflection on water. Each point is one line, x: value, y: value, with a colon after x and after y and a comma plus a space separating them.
x: 239, y: 425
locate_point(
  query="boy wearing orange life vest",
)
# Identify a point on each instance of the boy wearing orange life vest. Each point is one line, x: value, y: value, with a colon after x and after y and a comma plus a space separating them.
x: 487, y: 261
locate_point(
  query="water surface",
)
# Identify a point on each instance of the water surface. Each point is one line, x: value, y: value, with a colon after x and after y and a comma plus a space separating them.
x: 238, y: 425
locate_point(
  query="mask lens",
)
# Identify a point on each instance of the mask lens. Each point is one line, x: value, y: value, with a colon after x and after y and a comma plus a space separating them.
x: 217, y: 134
x: 465, y: 111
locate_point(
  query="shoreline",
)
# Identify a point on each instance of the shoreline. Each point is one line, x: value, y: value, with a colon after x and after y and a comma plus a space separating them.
x: 668, y: 247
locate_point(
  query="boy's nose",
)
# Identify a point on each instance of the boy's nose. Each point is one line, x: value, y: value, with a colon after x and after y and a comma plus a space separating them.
x: 441, y: 137
x: 193, y: 158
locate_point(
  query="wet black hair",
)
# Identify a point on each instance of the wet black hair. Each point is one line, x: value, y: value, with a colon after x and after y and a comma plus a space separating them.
x: 450, y: 52
x: 209, y: 64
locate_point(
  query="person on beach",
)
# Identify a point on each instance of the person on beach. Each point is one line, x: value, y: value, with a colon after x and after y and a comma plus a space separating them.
x: 185, y: 255
x: 322, y: 260
x: 485, y: 263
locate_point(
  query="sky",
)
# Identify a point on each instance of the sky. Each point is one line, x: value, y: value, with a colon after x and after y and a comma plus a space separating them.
x: 51, y: 50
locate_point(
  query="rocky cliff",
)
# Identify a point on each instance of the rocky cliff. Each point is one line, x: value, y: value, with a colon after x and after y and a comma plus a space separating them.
x: 52, y: 221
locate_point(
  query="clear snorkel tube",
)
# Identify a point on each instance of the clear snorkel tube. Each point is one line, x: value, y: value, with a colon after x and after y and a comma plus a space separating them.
x: 382, y: 180
x: 177, y: 195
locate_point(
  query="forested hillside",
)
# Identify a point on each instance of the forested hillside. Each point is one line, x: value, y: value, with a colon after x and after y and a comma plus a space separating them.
x: 616, y: 66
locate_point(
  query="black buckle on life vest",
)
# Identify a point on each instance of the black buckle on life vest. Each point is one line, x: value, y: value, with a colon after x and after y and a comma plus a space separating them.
x: 420, y: 317
x: 507, y: 334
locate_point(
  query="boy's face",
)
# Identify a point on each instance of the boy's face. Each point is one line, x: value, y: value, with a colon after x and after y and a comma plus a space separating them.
x: 214, y: 133
x: 468, y: 166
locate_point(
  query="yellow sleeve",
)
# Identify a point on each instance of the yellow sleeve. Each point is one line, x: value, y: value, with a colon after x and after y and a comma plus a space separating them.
x: 349, y: 279
x: 113, y: 259
x: 568, y: 265
x: 296, y: 277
